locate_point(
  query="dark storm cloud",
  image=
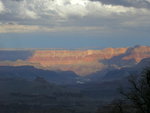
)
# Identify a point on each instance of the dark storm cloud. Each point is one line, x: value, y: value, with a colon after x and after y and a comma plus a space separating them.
x: 127, y: 3
x: 114, y: 2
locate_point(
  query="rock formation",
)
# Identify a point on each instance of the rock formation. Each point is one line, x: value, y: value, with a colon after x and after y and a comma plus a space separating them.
x: 82, y: 62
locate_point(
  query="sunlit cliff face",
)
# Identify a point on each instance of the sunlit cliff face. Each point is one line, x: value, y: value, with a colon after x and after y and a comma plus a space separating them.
x: 85, y: 62
x: 138, y: 53
x: 82, y: 62
x: 79, y: 61
x: 63, y: 57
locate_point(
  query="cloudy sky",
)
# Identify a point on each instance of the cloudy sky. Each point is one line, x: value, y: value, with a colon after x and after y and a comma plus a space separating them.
x: 74, y: 23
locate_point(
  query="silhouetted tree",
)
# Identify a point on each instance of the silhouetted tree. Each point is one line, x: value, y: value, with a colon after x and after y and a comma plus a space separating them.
x: 139, y: 92
x: 137, y: 96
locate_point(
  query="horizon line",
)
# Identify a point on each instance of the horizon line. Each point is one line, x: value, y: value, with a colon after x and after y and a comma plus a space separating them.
x: 84, y: 48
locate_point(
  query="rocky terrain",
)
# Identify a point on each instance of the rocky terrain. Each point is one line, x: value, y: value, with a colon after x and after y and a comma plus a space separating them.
x: 32, y: 80
x: 82, y: 62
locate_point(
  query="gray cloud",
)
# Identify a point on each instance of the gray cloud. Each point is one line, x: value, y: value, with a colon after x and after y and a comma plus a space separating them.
x: 127, y: 3
x: 2, y: 8
x: 114, y: 2
x: 52, y: 14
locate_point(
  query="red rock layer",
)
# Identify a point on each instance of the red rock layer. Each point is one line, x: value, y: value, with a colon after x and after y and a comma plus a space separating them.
x: 138, y: 53
x: 83, y: 62
x: 48, y: 58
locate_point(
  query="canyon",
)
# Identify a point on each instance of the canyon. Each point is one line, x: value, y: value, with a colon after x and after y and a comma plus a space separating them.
x: 82, y: 62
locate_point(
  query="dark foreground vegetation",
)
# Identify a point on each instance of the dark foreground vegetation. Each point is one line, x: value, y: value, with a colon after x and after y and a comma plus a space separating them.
x: 135, y: 99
